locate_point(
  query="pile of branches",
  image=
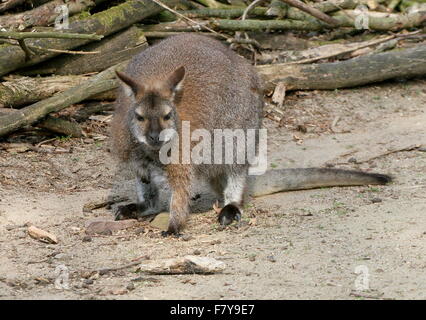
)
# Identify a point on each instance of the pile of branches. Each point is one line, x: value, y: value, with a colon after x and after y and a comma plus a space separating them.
x: 57, y: 53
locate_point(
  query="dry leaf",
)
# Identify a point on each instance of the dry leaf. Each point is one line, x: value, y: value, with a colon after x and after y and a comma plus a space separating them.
x: 42, y: 235
x: 279, y: 94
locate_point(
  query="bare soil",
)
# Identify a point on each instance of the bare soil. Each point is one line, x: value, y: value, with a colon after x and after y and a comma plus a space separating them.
x: 294, y: 245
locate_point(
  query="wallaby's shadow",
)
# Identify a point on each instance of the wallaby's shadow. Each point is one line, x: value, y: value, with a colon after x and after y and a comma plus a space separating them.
x: 124, y: 188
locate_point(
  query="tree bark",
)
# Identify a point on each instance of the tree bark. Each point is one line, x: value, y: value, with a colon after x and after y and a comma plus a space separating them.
x: 102, y: 82
x: 383, y: 21
x: 387, y: 22
x: 292, y: 13
x: 24, y: 90
x: 118, y: 47
x: 10, y: 4
x: 61, y: 126
x: 312, y: 11
x: 372, y: 68
x: 103, y: 23
x: 44, y: 14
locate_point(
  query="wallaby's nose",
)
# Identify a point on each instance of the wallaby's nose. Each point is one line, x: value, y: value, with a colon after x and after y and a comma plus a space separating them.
x: 153, y: 137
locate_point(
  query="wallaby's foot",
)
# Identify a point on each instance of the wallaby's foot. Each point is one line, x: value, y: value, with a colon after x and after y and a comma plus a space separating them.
x: 128, y: 211
x: 174, y: 228
x: 229, y: 214
x: 133, y: 211
x: 166, y: 234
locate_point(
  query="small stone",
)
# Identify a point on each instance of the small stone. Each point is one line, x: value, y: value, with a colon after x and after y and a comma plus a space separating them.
x: 106, y: 227
x: 271, y: 258
x: 22, y: 234
x: 106, y: 233
x: 352, y: 160
x: 86, y: 274
x: 187, y: 237
x: 196, y: 252
x: 118, y: 292
x: 88, y: 281
x: 376, y: 200
x: 62, y: 257
x: 87, y: 239
x: 161, y: 221
x: 252, y: 257
x: 139, y: 231
x: 130, y: 286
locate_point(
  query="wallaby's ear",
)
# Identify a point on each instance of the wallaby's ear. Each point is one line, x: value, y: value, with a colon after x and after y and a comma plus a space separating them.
x: 175, y: 79
x: 136, y: 87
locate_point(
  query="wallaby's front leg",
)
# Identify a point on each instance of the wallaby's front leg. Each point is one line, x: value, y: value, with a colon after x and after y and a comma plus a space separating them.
x: 146, y: 204
x: 180, y: 184
x: 147, y: 194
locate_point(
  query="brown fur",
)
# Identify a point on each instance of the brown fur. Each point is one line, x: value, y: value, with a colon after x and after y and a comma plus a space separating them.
x: 219, y: 90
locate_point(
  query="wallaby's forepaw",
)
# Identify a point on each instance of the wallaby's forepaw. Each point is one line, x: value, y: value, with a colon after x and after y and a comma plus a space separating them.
x: 229, y: 214
x: 134, y: 211
x: 128, y: 211
x: 167, y: 233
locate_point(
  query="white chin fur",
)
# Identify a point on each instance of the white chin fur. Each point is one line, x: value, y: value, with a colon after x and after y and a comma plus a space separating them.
x: 138, y: 134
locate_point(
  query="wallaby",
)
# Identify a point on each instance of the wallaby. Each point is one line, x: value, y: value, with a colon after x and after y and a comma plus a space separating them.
x: 194, y: 78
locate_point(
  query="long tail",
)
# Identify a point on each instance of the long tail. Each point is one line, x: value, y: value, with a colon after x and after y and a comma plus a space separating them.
x: 308, y: 178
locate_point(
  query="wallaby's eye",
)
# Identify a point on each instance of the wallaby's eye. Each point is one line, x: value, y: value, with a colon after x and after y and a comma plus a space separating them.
x: 168, y: 116
x: 139, y: 117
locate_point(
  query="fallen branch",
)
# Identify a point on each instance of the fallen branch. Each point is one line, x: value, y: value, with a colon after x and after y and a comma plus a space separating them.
x: 92, y: 108
x: 51, y: 35
x: 10, y: 4
x: 333, y: 50
x: 350, y: 73
x: 312, y: 11
x: 24, y: 90
x: 264, y: 25
x: 61, y: 126
x: 346, y: 19
x: 104, y: 81
x: 102, y: 23
x: 292, y: 13
x: 384, y: 154
x: 44, y: 14
x: 382, y: 21
x: 194, y: 23
x: 110, y: 51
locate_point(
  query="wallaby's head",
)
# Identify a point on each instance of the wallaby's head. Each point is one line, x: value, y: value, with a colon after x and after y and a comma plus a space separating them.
x: 153, y: 107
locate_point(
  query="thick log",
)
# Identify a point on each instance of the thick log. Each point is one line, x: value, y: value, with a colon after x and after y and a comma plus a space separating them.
x: 312, y: 11
x: 347, y: 19
x: 263, y: 25
x: 61, y: 126
x: 25, y: 90
x: 54, y: 124
x: 362, y: 70
x: 102, y: 82
x: 10, y: 4
x: 291, y: 13
x: 102, y: 23
x: 113, y: 49
x: 383, y: 21
x: 44, y: 14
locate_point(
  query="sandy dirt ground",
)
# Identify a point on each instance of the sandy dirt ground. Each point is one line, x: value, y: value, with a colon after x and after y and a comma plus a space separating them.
x: 331, y: 243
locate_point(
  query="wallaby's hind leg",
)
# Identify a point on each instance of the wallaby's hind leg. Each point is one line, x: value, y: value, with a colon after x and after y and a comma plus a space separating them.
x: 234, y: 188
x: 233, y: 198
